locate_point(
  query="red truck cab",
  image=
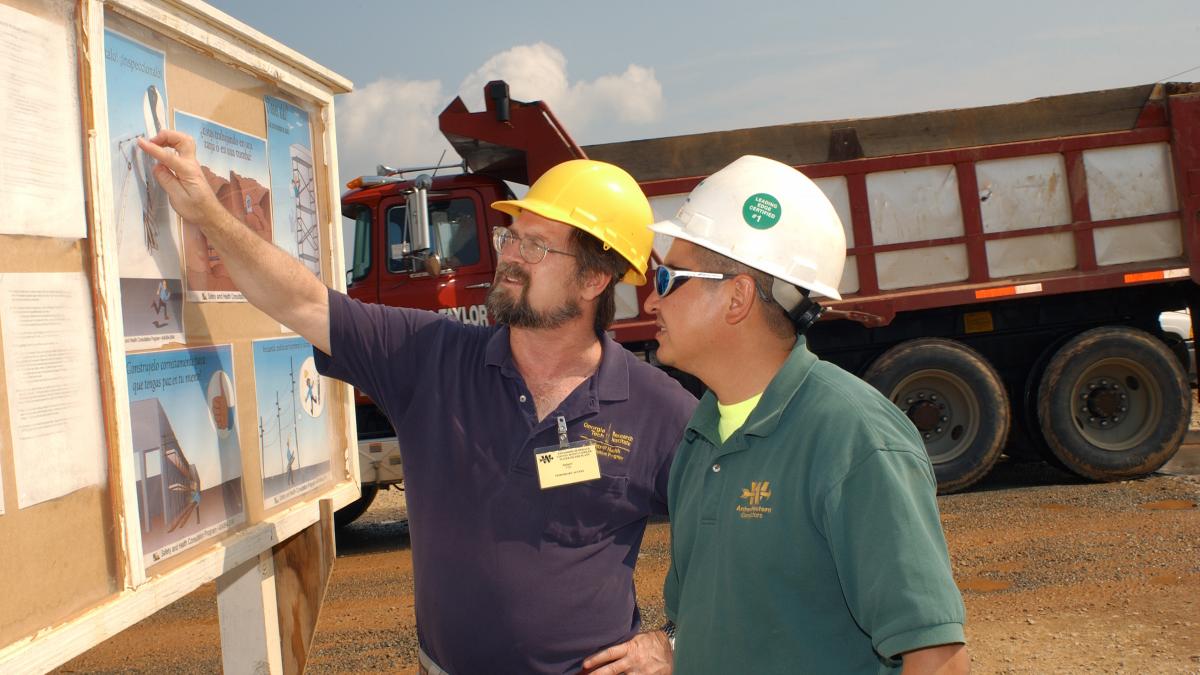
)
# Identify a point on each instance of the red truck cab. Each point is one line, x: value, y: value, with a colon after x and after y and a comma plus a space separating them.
x: 509, y: 142
x: 389, y: 270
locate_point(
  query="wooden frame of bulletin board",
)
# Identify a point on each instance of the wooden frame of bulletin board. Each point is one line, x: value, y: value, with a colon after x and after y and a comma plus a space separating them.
x: 158, y: 431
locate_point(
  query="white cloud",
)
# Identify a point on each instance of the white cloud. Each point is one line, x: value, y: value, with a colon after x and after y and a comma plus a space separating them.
x: 589, y: 110
x: 394, y: 122
x: 635, y: 96
x: 391, y: 122
x: 533, y: 72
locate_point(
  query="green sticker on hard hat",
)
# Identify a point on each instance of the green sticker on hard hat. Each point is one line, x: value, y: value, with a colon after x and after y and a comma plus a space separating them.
x: 761, y: 211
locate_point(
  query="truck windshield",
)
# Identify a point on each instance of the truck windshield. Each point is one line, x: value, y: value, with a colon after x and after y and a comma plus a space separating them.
x: 452, y: 233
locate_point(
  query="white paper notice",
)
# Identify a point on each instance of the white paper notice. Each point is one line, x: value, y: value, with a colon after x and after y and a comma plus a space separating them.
x: 41, y: 148
x: 52, y: 380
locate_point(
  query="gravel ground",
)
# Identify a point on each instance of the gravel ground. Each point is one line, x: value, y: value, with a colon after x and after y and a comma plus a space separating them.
x: 1058, y: 575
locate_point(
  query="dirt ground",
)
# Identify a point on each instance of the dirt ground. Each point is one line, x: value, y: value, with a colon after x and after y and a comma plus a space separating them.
x: 1058, y: 575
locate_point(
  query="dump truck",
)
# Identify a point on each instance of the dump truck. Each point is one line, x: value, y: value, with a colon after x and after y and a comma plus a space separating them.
x: 1005, y: 274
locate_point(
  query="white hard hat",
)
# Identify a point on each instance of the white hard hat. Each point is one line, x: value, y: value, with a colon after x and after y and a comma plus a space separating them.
x: 767, y: 215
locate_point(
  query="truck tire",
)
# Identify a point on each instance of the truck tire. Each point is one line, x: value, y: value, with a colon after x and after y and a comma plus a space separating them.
x: 1114, y: 403
x: 1182, y: 349
x: 350, y: 512
x: 956, y: 400
x: 1026, y: 434
x: 1179, y: 348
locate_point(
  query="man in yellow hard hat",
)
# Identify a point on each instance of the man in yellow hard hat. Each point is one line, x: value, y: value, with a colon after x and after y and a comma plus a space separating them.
x: 534, y: 450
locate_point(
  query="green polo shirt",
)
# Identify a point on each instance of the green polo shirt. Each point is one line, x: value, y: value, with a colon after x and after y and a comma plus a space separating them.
x: 809, y: 541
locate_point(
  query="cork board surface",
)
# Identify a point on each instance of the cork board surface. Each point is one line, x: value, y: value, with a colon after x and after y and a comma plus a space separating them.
x: 64, y: 556
x: 58, y: 556
x: 200, y: 87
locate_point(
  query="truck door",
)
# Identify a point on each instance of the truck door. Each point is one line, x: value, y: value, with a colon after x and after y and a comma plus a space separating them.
x: 459, y: 238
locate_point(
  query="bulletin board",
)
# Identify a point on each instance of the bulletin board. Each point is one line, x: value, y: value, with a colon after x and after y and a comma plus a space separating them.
x: 157, y: 429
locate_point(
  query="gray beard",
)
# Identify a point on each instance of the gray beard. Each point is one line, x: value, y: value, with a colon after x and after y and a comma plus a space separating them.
x: 516, y: 312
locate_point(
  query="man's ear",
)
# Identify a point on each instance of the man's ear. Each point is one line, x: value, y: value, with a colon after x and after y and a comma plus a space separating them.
x: 742, y: 295
x: 594, y: 284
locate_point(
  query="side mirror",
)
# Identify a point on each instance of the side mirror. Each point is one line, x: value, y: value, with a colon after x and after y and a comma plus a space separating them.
x: 417, y: 210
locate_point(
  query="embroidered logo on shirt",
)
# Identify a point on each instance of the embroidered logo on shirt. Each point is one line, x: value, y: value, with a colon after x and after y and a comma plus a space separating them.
x: 609, y: 442
x: 754, y: 496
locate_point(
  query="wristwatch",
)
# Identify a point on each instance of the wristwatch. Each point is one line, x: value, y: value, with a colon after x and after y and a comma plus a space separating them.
x: 669, y: 629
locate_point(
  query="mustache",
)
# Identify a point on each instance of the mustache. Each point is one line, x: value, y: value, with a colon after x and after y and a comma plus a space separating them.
x: 512, y: 270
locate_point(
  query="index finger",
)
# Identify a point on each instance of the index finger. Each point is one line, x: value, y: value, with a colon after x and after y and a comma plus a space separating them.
x: 606, y: 656
x: 160, y: 147
x: 171, y: 138
x: 613, y: 668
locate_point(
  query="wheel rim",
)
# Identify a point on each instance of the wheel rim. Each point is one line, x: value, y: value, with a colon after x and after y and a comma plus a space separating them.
x: 1115, y: 404
x: 944, y: 410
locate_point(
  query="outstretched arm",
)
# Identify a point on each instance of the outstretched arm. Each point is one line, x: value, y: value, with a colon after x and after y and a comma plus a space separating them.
x: 271, y: 280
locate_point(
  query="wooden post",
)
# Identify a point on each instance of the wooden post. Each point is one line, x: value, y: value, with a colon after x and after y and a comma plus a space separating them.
x: 303, y: 564
x: 249, y: 621
x: 269, y: 605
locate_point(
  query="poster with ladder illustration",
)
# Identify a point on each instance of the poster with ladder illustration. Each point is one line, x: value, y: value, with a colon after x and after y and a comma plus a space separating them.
x: 293, y: 190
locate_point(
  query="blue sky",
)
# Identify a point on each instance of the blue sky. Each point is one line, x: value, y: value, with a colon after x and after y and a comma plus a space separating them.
x: 621, y: 70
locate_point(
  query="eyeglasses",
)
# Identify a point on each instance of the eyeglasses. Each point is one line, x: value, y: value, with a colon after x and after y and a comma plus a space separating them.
x: 667, y: 279
x: 532, y: 251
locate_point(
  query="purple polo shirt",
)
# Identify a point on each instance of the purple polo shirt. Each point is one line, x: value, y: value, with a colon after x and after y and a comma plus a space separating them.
x: 511, y: 578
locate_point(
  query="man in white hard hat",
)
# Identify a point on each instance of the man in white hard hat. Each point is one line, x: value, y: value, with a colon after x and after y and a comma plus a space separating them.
x: 518, y: 566
x: 805, y: 534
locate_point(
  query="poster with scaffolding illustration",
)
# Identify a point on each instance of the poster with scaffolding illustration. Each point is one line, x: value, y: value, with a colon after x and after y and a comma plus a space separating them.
x: 187, y: 459
x: 293, y: 183
x: 293, y: 424
x: 235, y: 165
x: 147, y: 243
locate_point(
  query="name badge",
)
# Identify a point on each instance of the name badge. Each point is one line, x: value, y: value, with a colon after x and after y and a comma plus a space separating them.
x: 567, y: 466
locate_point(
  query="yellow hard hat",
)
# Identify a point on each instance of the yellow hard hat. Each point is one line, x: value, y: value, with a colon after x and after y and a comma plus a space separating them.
x: 600, y: 199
